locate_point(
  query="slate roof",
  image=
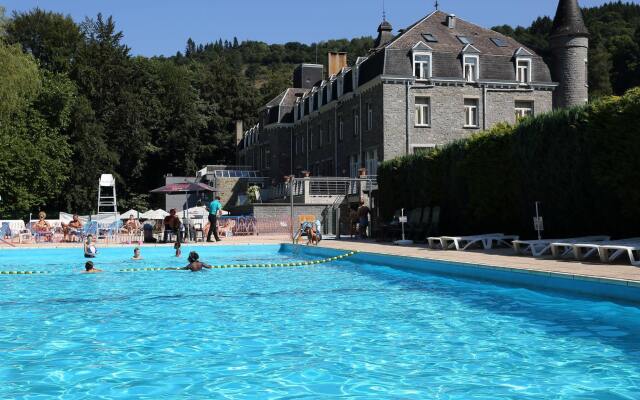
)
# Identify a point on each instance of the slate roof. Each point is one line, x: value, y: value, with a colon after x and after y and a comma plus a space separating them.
x: 569, y: 20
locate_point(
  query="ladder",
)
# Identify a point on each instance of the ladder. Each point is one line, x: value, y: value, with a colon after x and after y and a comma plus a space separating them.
x: 107, y: 201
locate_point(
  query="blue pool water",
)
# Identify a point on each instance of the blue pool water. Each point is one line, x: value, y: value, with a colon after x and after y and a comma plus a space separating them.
x: 339, y: 330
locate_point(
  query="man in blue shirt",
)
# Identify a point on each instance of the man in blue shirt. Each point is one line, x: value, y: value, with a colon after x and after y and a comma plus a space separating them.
x: 215, y: 207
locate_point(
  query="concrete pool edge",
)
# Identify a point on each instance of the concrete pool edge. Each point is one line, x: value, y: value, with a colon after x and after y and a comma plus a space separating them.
x: 606, y: 288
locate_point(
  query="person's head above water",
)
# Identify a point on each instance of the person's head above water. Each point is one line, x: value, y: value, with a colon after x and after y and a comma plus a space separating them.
x: 89, y: 238
x: 193, y: 257
x: 176, y: 246
x: 88, y: 266
x: 136, y: 252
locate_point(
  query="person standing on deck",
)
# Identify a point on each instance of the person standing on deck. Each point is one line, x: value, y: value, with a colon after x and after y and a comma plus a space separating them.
x: 215, y: 208
x: 363, y: 219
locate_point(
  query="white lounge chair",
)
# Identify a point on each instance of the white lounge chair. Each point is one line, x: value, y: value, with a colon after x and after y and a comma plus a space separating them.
x: 540, y: 247
x: 582, y: 251
x: 462, y: 243
x: 611, y: 252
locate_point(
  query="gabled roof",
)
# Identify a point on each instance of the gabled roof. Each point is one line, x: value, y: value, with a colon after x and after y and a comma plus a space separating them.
x: 470, y: 49
x: 522, y: 52
x: 447, y: 38
x: 421, y: 46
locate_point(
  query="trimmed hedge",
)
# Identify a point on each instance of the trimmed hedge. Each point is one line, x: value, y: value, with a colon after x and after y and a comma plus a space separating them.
x: 582, y: 164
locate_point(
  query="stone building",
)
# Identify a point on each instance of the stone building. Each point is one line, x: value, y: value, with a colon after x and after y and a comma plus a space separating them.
x: 439, y: 80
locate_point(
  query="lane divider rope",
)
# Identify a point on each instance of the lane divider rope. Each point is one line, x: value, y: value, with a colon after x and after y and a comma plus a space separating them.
x: 273, y: 265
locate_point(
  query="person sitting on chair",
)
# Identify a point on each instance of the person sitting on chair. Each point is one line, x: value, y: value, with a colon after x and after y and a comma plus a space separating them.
x: 132, y: 224
x: 72, y: 228
x: 42, y: 227
x: 171, y: 225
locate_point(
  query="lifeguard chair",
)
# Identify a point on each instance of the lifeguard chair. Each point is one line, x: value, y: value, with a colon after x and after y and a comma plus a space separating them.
x: 107, y: 200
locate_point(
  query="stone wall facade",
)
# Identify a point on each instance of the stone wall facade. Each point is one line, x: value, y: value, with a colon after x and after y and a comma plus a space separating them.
x: 570, y: 66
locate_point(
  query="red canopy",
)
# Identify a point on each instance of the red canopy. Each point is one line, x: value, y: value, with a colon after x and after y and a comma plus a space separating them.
x: 185, y: 187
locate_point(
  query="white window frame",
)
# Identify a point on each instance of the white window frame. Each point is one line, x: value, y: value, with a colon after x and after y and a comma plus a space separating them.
x: 523, y: 112
x: 369, y: 116
x: 528, y: 71
x: 476, y: 75
x: 468, y: 123
x: 424, y: 75
x: 419, y: 111
x: 371, y: 161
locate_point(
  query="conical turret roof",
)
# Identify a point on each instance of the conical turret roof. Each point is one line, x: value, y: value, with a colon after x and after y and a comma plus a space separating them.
x: 569, y: 20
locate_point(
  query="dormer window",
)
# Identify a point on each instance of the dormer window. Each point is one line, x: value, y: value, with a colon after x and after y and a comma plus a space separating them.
x: 523, y: 70
x: 471, y: 68
x: 422, y: 65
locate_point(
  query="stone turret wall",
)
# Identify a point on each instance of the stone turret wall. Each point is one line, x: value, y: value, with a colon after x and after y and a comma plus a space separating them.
x: 569, y: 66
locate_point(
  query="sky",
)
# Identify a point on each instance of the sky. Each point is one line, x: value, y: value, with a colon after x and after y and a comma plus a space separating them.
x: 162, y: 27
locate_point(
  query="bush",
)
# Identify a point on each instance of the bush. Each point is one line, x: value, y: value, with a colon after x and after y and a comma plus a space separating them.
x: 582, y: 164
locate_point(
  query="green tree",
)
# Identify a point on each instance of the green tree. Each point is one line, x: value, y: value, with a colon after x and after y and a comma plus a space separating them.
x: 34, y: 156
x: 52, y: 38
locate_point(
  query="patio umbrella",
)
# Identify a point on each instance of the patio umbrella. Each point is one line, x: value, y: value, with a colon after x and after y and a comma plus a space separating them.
x: 129, y: 213
x: 154, y: 214
x: 186, y: 188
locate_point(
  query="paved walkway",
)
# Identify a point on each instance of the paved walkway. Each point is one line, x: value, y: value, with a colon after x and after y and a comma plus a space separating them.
x: 502, y: 258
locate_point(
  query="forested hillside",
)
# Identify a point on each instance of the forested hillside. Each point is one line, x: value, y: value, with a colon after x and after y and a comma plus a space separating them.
x: 75, y: 103
x: 614, y: 54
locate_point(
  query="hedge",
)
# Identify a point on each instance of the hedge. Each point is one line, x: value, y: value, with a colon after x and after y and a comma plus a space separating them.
x: 582, y: 164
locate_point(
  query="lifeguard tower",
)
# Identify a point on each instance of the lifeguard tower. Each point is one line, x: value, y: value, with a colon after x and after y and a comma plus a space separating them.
x: 107, y: 200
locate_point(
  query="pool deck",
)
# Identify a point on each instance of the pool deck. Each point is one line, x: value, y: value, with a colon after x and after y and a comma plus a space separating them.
x: 502, y: 258
x: 499, y: 258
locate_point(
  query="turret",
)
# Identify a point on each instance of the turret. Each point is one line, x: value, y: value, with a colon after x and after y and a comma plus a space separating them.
x: 569, y: 42
x: 385, y: 34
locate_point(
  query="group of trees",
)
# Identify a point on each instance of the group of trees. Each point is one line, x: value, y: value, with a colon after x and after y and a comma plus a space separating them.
x: 614, y: 54
x: 74, y: 102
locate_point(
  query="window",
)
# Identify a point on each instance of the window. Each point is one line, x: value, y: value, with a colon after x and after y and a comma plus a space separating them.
x: 470, y: 113
x: 356, y: 123
x: 371, y: 162
x: 423, y: 149
x: 471, y: 70
x: 267, y: 158
x: 340, y: 129
x: 423, y: 111
x: 354, y: 165
x: 499, y: 42
x: 320, y: 138
x: 422, y: 65
x: 369, y: 117
x: 464, y: 40
x: 523, y: 71
x: 586, y: 72
x: 429, y: 37
x: 523, y: 109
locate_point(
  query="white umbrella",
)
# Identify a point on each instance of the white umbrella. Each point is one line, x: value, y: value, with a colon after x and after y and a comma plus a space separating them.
x: 129, y: 213
x: 154, y: 214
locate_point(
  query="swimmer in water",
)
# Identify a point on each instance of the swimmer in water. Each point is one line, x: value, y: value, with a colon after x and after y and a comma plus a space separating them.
x: 194, y: 264
x: 90, y: 250
x: 90, y: 269
x: 136, y: 254
x: 177, y: 249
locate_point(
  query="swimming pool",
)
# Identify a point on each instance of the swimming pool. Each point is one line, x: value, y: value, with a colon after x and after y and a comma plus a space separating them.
x: 343, y: 329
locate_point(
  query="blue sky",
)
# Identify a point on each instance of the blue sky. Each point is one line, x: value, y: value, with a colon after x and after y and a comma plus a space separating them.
x: 162, y: 27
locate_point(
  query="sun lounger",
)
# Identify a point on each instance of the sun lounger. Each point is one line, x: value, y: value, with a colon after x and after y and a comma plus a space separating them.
x: 611, y: 252
x: 487, y: 241
x: 539, y: 248
x: 582, y: 251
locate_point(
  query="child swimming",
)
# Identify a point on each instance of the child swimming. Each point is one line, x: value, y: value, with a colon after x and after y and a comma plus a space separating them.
x: 136, y: 254
x: 90, y: 269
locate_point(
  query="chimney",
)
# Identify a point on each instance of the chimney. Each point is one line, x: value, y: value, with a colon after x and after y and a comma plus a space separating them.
x: 451, y: 21
x: 337, y: 61
x: 239, y: 132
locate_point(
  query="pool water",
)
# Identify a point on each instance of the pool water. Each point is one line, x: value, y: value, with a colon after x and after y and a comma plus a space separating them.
x: 339, y: 330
